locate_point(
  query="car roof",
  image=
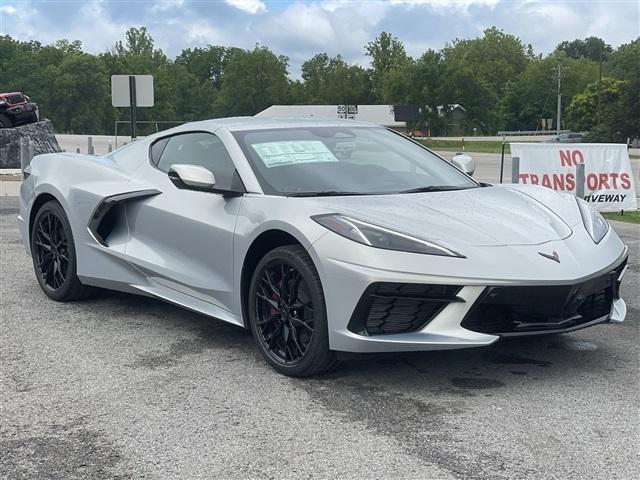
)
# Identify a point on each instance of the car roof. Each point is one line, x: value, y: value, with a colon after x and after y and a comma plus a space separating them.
x: 255, y: 123
x: 238, y: 124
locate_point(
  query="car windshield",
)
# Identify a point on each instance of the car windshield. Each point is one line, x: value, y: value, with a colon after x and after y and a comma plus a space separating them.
x: 309, y: 161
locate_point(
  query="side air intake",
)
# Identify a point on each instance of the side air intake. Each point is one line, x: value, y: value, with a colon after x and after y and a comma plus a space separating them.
x: 105, y: 216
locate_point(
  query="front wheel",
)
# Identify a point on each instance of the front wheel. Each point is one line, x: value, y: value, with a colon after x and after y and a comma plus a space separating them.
x: 5, y: 122
x: 287, y: 313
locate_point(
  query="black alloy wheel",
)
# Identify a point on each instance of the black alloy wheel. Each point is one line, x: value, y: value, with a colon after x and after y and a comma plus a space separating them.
x: 54, y: 256
x: 287, y: 313
x: 51, y: 251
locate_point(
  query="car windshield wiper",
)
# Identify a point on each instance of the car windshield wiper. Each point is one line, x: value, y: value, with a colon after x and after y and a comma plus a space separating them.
x: 434, y: 188
x: 323, y: 193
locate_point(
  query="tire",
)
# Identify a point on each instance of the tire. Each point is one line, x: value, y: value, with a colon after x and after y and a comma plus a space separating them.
x: 54, y: 255
x: 287, y: 313
x: 5, y: 122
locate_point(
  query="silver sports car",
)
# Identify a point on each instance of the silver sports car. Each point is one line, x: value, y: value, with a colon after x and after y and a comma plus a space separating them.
x: 320, y: 236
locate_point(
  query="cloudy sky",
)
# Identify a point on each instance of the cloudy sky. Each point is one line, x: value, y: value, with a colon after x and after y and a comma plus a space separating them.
x: 300, y: 29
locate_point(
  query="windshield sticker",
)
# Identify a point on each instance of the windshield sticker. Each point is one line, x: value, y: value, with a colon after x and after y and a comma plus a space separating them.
x: 276, y: 154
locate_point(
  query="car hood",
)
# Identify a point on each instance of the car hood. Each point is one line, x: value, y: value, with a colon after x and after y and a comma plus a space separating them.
x: 490, y: 216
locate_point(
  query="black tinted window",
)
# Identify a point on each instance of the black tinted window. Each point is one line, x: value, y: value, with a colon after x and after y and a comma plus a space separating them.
x: 157, y: 149
x: 198, y: 148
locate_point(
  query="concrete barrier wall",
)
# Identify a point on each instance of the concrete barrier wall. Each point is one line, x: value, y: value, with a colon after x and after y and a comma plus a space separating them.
x: 100, y: 143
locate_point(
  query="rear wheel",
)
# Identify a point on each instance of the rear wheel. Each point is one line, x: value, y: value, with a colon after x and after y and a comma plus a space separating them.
x: 287, y: 313
x: 5, y: 122
x: 54, y: 255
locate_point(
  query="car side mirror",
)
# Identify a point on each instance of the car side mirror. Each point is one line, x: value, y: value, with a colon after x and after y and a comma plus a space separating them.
x: 193, y: 177
x: 464, y: 162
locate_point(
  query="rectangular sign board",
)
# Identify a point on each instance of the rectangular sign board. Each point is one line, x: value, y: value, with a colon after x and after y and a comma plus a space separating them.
x: 347, y: 111
x: 609, y: 183
x: 120, y: 90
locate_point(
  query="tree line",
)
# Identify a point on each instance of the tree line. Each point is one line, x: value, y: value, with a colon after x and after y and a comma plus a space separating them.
x: 501, y: 82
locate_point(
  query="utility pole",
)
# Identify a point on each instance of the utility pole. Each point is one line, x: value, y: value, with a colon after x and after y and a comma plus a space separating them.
x: 599, y: 88
x: 558, y: 114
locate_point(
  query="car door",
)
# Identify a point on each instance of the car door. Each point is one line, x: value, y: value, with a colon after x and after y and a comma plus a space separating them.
x: 183, y: 239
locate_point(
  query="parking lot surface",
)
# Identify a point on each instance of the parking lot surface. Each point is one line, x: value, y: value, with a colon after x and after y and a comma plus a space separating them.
x: 126, y: 387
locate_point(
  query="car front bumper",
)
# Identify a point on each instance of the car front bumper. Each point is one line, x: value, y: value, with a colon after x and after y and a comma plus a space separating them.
x: 23, y: 113
x: 348, y: 273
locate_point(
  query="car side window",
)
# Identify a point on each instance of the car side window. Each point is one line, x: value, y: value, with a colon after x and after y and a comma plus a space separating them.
x: 199, y: 148
x: 156, y: 150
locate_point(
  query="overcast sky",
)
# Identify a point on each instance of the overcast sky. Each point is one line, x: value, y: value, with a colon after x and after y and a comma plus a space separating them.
x: 299, y: 29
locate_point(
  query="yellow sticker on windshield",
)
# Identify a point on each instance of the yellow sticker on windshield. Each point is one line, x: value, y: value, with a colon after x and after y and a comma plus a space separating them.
x: 276, y: 154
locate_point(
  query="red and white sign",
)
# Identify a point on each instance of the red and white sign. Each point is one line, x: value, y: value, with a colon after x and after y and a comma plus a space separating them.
x: 609, y: 184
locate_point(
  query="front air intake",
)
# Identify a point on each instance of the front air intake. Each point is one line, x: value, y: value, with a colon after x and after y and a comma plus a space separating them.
x: 387, y: 308
x: 524, y: 310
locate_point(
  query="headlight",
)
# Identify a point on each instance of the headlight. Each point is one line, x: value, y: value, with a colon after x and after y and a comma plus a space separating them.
x: 380, y: 237
x: 595, y: 224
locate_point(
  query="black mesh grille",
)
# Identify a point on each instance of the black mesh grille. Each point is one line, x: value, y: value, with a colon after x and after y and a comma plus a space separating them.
x: 521, y: 310
x: 14, y: 99
x: 386, y: 308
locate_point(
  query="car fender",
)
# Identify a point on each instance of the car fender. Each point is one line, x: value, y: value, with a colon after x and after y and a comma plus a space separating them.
x: 259, y: 214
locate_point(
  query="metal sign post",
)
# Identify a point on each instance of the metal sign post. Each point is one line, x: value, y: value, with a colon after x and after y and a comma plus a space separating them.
x: 515, y: 169
x: 132, y: 104
x: 502, y: 159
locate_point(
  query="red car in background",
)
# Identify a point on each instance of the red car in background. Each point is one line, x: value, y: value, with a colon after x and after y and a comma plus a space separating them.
x: 17, y: 109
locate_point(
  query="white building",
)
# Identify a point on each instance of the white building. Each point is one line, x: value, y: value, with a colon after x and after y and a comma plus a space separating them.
x: 378, y: 114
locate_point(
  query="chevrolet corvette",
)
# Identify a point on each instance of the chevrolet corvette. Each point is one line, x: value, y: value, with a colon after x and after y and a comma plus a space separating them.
x: 320, y: 236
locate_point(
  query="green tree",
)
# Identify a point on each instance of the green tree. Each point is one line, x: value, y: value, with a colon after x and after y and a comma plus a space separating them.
x: 497, y: 79
x: 348, y: 84
x: 624, y: 63
x: 593, y: 48
x: 138, y: 53
x: 583, y: 111
x: 80, y: 93
x: 608, y: 110
x: 297, y: 94
x: 207, y: 64
x: 333, y: 81
x: 478, y: 71
x: 252, y: 81
x: 315, y: 72
x: 532, y: 95
x: 387, y: 53
x: 68, y: 48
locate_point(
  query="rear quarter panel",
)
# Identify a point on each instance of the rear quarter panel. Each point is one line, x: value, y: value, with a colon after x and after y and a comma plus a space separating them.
x: 79, y: 183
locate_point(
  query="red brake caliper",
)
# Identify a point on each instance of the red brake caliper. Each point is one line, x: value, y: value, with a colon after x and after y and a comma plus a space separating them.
x: 275, y: 297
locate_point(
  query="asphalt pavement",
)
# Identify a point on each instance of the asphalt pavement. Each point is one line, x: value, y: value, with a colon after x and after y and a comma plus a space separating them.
x: 125, y: 387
